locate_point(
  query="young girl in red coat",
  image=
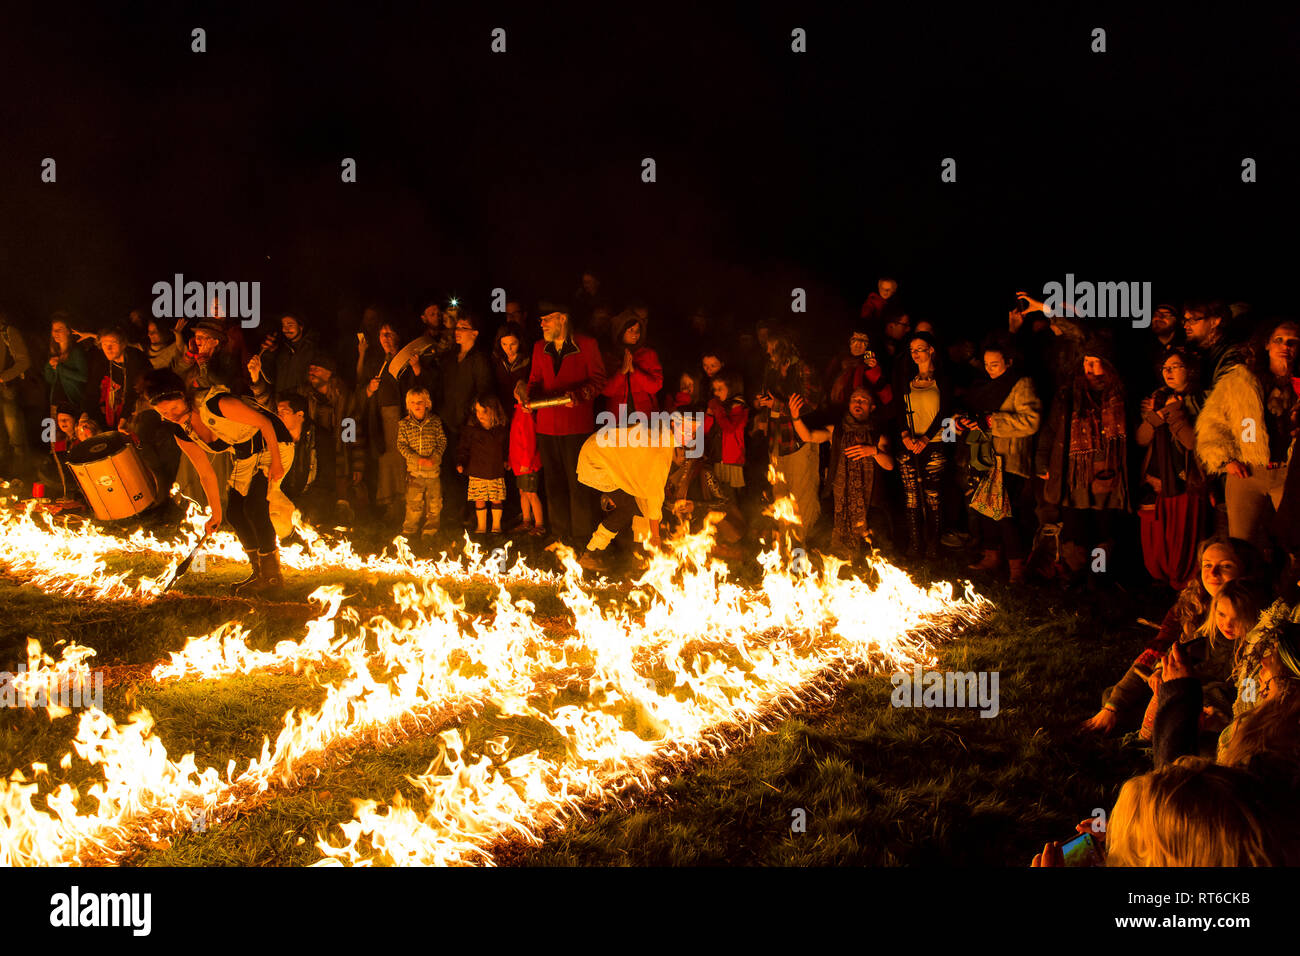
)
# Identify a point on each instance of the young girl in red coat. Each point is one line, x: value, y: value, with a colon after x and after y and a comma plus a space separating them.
x: 526, y: 465
x: 724, y: 430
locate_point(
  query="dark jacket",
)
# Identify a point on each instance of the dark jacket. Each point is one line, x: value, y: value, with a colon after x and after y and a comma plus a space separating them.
x: 285, y: 369
x: 123, y: 377
x: 462, y: 380
x: 482, y: 451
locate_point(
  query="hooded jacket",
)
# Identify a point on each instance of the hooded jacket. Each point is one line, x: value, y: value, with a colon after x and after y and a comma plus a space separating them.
x: 637, y: 390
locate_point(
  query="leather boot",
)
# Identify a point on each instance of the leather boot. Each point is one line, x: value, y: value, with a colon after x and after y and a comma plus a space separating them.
x: 272, y: 576
x: 914, y: 520
x: 255, y: 563
x: 989, y: 562
x: 1017, y: 566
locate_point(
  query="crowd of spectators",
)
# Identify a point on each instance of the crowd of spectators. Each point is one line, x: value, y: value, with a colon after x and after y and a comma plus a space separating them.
x: 1048, y: 448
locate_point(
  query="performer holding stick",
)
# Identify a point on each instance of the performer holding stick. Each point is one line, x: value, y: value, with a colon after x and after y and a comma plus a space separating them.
x: 631, y: 464
x: 262, y: 448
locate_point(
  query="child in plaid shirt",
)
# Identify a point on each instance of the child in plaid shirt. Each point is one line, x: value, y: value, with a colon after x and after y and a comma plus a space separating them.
x: 421, y: 441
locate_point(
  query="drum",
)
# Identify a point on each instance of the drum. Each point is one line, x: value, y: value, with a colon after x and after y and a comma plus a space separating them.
x: 112, y: 476
x: 412, y: 349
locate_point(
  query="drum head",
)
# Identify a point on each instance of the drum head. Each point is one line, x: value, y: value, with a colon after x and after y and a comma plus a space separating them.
x: 409, y: 352
x: 97, y: 448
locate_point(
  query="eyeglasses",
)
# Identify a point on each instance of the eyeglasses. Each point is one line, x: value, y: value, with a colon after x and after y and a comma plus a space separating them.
x: 1174, y: 368
x: 925, y: 351
x: 463, y: 328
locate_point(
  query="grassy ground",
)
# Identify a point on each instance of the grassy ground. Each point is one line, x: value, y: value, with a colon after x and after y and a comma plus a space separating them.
x: 877, y: 785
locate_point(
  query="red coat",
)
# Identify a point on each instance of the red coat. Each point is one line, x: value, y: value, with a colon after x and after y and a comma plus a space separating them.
x: 524, y: 457
x: 730, y: 420
x: 581, y: 371
x: 639, y: 388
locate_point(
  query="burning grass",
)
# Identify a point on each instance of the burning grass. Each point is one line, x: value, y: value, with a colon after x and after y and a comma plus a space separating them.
x: 472, y: 723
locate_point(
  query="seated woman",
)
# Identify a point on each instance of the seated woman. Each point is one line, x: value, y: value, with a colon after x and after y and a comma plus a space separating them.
x: 262, y: 449
x: 1220, y: 560
x: 859, y: 456
x: 1270, y: 666
x: 1197, y: 681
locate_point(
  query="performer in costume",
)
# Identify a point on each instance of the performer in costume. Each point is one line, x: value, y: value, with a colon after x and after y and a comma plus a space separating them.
x: 262, y: 449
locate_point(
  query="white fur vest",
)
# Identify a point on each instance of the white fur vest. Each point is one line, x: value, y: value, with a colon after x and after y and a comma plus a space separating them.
x: 1233, y: 411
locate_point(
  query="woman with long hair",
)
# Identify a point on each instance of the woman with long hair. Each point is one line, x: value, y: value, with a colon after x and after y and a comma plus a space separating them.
x: 924, y: 398
x: 1003, y: 415
x: 1175, y: 507
x: 68, y: 368
x: 1220, y: 560
x: 1245, y: 430
x: 262, y: 448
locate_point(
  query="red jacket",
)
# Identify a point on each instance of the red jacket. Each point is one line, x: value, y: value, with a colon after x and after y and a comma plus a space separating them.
x: 730, y: 420
x: 639, y: 388
x: 524, y: 457
x: 581, y: 372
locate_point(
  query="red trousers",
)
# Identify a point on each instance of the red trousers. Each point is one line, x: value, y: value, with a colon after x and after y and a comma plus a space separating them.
x: 1170, y: 533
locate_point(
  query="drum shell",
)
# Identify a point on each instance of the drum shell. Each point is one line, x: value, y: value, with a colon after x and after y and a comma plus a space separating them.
x: 117, y: 484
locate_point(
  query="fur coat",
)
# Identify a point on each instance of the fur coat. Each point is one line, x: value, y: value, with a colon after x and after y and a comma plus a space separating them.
x: 1235, y: 401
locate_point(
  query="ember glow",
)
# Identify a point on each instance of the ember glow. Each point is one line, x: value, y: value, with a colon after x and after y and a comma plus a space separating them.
x: 685, y: 661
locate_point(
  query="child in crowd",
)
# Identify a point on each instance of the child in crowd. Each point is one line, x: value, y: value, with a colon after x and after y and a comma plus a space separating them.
x: 724, y: 430
x: 690, y: 394
x: 421, y: 441
x: 525, y: 463
x: 1213, y: 659
x: 482, y: 456
x: 1221, y: 560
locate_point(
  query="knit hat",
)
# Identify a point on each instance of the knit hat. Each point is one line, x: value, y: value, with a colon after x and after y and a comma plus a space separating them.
x: 323, y: 360
x: 1100, y: 345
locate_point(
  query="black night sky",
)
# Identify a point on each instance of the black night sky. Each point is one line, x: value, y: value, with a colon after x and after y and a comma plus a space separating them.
x: 521, y: 169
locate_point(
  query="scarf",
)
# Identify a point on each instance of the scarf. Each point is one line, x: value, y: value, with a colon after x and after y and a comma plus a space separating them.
x: 1097, y: 429
x: 852, y: 481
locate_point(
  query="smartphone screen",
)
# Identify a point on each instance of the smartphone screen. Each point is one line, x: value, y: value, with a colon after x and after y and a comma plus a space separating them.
x: 1082, y: 851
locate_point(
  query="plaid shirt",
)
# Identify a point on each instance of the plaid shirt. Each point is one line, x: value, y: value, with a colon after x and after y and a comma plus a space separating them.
x: 799, y: 379
x: 421, y: 438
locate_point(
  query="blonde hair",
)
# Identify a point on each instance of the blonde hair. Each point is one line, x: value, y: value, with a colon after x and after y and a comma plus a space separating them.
x: 417, y: 393
x: 1271, y: 729
x: 1244, y: 605
x: 1197, y: 813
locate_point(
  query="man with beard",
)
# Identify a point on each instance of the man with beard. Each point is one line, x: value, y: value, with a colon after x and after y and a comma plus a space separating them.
x: 1083, y: 459
x: 291, y: 350
x: 566, y: 366
x: 1206, y: 325
x: 859, y: 457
